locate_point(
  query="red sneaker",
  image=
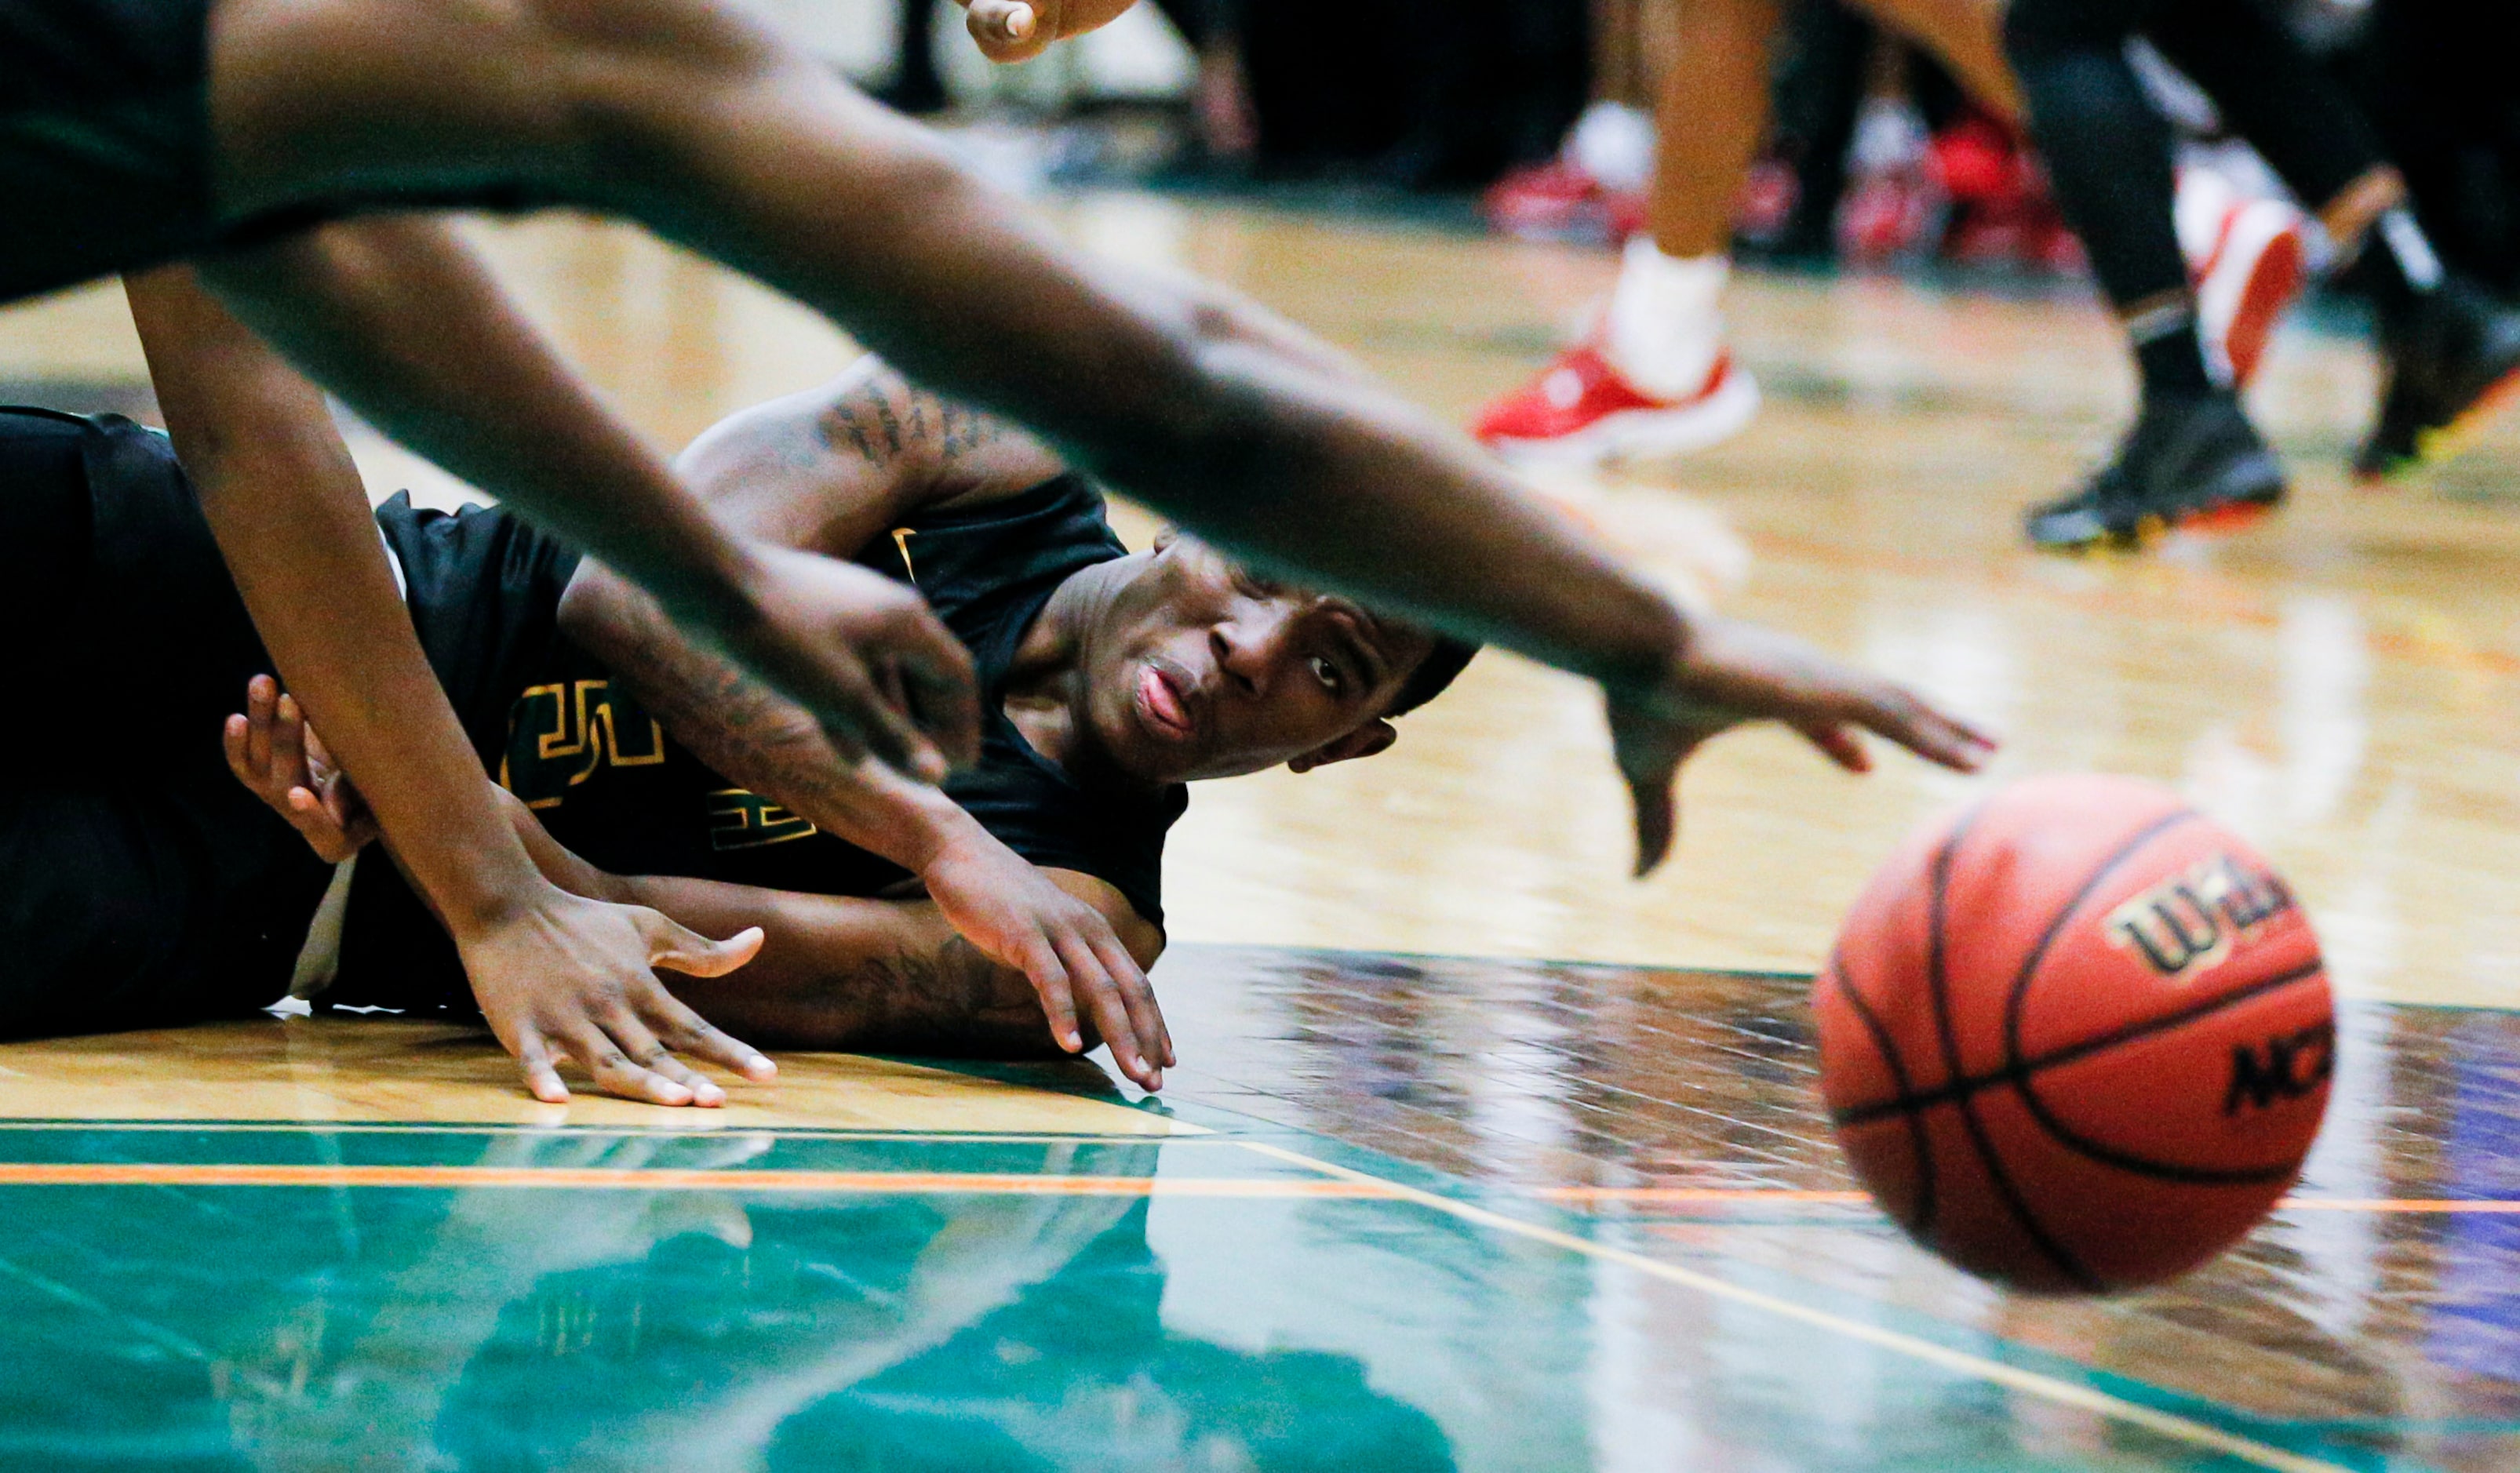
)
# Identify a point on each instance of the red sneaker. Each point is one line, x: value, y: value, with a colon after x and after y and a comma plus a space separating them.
x: 1581, y: 409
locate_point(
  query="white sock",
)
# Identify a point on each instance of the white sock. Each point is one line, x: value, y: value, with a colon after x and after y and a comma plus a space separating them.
x: 1665, y: 326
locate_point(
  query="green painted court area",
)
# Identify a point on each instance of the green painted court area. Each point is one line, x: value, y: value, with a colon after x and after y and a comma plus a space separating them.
x: 221, y: 1297
x: 1395, y: 1213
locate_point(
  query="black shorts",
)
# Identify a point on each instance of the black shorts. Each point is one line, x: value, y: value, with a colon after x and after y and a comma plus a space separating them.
x: 140, y: 883
x: 105, y: 142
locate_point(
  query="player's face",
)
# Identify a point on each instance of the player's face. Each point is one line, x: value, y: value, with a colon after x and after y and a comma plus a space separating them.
x: 1203, y: 669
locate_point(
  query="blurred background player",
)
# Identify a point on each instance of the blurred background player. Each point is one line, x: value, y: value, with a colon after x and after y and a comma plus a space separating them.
x: 2449, y: 350
x: 1651, y: 376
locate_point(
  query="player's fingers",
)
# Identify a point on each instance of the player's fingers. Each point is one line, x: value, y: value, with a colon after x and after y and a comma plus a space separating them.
x: 232, y: 738
x: 615, y: 1071
x: 1929, y: 732
x: 288, y: 739
x: 314, y: 824
x: 649, y: 1051
x: 1049, y: 977
x: 939, y: 687
x: 534, y: 1058
x: 1657, y: 820
x: 1136, y: 993
x: 1103, y: 999
x: 1006, y: 29
x: 687, y: 1032
x: 1839, y: 744
x: 671, y: 944
x: 261, y: 696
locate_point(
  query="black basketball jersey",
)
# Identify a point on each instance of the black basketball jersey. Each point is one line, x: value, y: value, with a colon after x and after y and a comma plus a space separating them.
x: 600, y: 773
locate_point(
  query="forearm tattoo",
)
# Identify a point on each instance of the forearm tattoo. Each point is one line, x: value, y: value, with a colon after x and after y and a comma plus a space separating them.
x: 941, y: 998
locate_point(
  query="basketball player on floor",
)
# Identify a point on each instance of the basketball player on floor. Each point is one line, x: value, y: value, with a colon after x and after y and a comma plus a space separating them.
x: 233, y: 130
x: 2450, y: 351
x: 1007, y: 916
x: 1652, y: 377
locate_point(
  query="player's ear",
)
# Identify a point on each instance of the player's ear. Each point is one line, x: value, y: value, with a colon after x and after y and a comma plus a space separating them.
x: 1166, y: 538
x: 1364, y: 741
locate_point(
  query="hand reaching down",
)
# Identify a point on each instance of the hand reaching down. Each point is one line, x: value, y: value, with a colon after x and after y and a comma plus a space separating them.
x: 1729, y: 673
x: 869, y: 658
x: 561, y: 974
x: 1020, y: 918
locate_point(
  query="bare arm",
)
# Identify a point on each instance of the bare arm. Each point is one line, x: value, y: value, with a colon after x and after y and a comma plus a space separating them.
x: 841, y: 972
x: 890, y: 976
x: 704, y: 125
x: 285, y: 502
x: 400, y: 318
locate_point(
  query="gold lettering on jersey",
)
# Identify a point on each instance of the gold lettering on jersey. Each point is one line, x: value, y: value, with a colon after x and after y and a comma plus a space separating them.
x: 2189, y: 922
x: 743, y: 819
x: 901, y: 544
x: 559, y: 735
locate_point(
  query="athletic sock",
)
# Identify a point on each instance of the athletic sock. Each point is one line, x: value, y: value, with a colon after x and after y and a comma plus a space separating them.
x: 1664, y: 327
x: 2167, y: 349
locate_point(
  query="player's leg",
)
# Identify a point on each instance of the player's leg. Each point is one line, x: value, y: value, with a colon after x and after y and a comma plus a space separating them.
x: 2192, y: 458
x: 1968, y: 36
x: 2452, y: 352
x: 1653, y: 378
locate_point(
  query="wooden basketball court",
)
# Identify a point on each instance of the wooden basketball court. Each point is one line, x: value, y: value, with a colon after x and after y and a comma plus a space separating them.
x: 1480, y: 1155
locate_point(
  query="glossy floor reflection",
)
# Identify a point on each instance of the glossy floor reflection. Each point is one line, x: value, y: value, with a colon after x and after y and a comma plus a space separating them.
x: 2376, y: 1318
x: 1395, y: 1213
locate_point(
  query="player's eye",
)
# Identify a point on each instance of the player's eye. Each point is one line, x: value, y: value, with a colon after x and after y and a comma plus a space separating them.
x: 1328, y: 674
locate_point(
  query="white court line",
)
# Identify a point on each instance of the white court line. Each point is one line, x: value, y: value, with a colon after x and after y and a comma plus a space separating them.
x: 2046, y: 1388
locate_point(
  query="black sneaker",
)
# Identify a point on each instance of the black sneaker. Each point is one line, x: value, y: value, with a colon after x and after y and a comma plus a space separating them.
x: 2191, y: 461
x: 2452, y: 359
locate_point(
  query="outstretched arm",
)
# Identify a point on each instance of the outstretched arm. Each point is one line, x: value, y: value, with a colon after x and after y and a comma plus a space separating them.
x: 398, y: 316
x: 706, y: 126
x: 555, y: 973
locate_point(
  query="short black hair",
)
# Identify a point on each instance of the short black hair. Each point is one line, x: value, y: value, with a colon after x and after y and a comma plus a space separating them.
x: 1433, y: 675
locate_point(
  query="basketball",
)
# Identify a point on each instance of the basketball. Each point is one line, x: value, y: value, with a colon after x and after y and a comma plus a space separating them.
x: 2076, y: 1039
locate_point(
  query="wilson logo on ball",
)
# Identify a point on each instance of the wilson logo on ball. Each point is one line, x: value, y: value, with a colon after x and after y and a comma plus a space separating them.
x: 2287, y: 1067
x: 2190, y: 921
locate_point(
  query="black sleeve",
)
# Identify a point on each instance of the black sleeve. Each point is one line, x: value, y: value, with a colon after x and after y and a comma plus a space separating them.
x: 1052, y: 823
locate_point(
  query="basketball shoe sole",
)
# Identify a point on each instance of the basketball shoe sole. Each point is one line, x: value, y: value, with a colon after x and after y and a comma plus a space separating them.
x: 1639, y: 428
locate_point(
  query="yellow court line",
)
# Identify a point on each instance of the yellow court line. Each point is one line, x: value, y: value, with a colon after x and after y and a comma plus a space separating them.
x: 583, y: 1177
x: 2033, y: 1383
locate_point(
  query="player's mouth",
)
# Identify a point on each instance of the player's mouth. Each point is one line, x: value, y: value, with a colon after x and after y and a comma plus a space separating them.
x: 1163, y: 704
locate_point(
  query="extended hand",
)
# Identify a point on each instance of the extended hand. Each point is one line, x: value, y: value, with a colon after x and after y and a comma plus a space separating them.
x: 279, y: 758
x: 1729, y: 673
x: 1020, y: 918
x: 869, y: 658
x: 566, y: 977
